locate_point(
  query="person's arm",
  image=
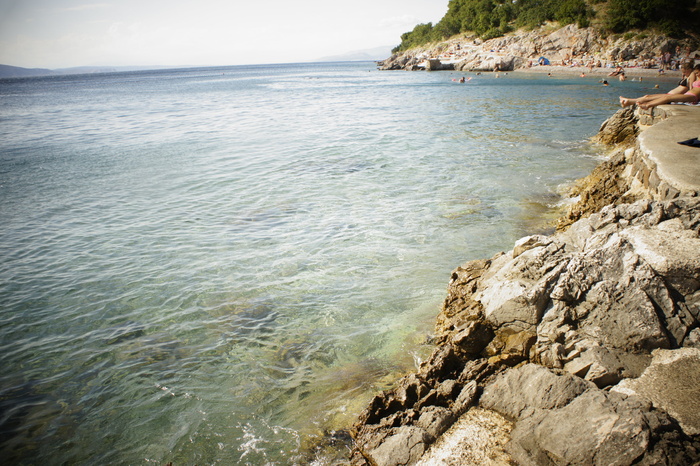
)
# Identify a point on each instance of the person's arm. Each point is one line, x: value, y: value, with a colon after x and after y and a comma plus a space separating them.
x: 678, y: 90
x: 683, y: 86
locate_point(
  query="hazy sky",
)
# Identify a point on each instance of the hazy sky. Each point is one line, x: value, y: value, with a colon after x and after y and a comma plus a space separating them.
x: 65, y: 33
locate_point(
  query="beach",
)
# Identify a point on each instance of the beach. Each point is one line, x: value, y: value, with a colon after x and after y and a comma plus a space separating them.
x: 603, y: 73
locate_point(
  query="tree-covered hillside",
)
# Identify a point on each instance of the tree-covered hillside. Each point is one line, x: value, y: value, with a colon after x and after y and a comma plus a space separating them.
x: 493, y: 18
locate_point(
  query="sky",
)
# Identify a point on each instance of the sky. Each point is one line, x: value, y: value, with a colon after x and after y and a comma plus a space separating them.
x: 67, y: 33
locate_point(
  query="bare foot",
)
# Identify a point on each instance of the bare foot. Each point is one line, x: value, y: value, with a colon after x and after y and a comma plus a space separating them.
x: 624, y: 102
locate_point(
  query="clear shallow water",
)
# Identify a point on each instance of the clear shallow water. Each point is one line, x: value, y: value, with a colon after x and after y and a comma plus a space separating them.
x: 218, y: 266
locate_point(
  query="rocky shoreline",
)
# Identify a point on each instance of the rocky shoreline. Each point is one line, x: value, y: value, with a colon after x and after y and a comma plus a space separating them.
x: 582, y: 347
x: 584, y: 48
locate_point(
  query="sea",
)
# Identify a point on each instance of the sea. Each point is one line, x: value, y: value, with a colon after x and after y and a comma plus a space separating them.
x: 224, y: 265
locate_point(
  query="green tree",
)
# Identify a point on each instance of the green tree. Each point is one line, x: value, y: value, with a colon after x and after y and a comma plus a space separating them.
x: 669, y: 16
x: 573, y: 11
x: 493, y: 18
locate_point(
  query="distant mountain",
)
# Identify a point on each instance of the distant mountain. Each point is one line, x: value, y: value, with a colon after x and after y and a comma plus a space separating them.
x: 7, y: 71
x: 375, y: 54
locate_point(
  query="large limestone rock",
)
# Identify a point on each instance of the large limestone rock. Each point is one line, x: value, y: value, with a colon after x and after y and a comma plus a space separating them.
x: 621, y: 128
x: 671, y: 383
x: 560, y: 419
x: 479, y: 437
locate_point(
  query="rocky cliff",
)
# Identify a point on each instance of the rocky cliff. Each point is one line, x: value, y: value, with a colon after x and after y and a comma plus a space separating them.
x: 578, y: 348
x: 520, y: 49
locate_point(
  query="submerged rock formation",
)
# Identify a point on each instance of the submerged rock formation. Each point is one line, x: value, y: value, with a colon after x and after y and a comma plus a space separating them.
x: 578, y: 348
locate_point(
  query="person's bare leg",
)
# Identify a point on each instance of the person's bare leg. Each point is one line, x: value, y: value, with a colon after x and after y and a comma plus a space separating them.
x: 662, y: 99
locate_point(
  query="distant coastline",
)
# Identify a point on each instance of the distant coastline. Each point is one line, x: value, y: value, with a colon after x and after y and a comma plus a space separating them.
x: 8, y: 71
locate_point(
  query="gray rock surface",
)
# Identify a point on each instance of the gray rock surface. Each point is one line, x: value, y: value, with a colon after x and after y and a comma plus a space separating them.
x: 671, y: 383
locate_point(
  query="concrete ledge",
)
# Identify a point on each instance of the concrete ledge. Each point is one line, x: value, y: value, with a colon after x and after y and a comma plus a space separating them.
x: 676, y: 164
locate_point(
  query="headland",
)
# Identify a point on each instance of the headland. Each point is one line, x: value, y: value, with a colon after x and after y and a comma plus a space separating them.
x: 567, y: 49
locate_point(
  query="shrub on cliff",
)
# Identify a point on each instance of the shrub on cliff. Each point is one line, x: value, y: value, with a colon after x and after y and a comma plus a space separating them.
x: 494, y: 18
x: 668, y: 16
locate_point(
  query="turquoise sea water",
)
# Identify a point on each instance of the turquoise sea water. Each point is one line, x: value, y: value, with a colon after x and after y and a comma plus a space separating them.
x: 222, y: 265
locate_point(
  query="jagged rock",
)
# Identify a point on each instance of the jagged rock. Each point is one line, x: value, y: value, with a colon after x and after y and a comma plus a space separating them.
x: 603, y: 187
x: 472, y: 338
x: 435, y: 420
x: 530, y: 386
x: 465, y: 399
x: 594, y: 428
x: 460, y: 306
x: 561, y: 419
x: 671, y: 250
x: 403, y: 447
x: 621, y: 128
x: 477, y: 438
x: 513, y: 292
x: 671, y: 383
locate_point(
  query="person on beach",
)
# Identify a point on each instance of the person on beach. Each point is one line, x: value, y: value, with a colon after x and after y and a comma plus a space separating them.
x: 617, y: 71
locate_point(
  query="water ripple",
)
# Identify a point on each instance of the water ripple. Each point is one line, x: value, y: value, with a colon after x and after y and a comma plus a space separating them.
x: 218, y: 266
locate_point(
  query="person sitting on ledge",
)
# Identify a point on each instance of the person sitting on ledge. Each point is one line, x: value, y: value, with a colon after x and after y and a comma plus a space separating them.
x: 692, y: 81
x: 686, y: 70
x: 652, y: 100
